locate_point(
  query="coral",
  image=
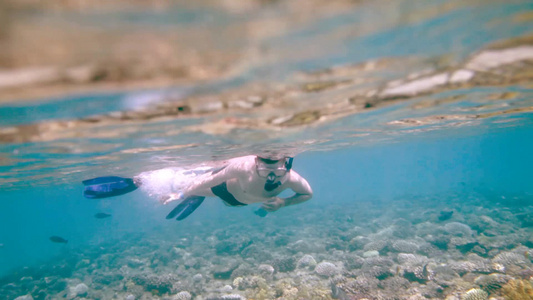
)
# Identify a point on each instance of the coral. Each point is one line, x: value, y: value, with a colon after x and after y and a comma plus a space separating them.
x: 163, y: 284
x: 224, y: 271
x: 475, y: 294
x: 371, y: 253
x: 411, y: 259
x: 510, y: 258
x: 266, y: 270
x: 197, y: 278
x: 473, y: 264
x: 326, y: 269
x: 402, y: 229
x: 443, y: 275
x: 184, y: 295
x: 379, y: 267
x: 458, y: 229
x: 257, y: 253
x: 463, y: 244
x: 352, y: 261
x: 79, y: 290
x: 307, y: 261
x: 226, y: 289
x: 243, y: 283
x: 394, y: 283
x: 130, y: 297
x: 232, y: 246
x: 414, y: 267
x: 286, y: 264
x: 405, y: 246
x: 358, y: 288
x: 226, y: 297
x: 378, y: 245
x: 518, y: 290
x: 492, y: 282
x: 439, y: 240
x: 358, y: 243
x: 242, y: 270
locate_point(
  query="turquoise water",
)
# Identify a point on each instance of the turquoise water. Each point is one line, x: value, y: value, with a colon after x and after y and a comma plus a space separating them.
x: 377, y: 186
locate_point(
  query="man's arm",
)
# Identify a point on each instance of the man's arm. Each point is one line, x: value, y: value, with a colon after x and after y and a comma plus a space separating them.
x: 301, y: 188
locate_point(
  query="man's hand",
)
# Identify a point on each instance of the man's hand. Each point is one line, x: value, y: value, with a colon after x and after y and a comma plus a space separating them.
x: 273, y: 204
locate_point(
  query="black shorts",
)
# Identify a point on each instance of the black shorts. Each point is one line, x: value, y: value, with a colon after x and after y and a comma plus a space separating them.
x: 222, y: 192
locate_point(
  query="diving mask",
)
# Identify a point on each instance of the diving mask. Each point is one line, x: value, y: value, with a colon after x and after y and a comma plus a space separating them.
x: 278, y: 169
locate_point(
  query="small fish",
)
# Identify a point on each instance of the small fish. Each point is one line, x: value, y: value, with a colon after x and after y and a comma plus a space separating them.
x: 102, y: 215
x: 58, y: 239
x: 445, y: 215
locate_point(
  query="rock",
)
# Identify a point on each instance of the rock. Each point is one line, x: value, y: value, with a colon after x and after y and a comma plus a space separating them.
x: 29, y: 76
x: 81, y: 74
x: 416, y: 86
x: 201, y: 107
x: 461, y: 76
x: 130, y: 297
x: 25, y: 297
x: 490, y: 59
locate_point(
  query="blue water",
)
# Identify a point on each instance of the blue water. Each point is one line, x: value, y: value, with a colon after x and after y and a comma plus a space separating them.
x: 368, y: 176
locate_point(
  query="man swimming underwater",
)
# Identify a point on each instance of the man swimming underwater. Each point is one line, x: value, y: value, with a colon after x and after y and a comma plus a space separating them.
x: 241, y: 181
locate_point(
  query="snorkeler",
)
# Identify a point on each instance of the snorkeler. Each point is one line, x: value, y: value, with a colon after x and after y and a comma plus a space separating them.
x: 241, y: 181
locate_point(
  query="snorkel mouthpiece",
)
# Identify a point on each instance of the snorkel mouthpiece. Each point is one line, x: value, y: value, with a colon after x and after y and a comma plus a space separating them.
x: 271, y: 177
x: 272, y: 169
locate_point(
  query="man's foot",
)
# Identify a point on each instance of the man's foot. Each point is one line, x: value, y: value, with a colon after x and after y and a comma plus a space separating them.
x: 170, y: 197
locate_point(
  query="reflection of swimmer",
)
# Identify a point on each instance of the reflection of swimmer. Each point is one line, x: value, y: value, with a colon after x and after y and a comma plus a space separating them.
x: 102, y: 215
x: 242, y: 181
x: 58, y: 239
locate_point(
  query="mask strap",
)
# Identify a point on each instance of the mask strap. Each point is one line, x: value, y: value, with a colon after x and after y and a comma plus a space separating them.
x: 288, y: 163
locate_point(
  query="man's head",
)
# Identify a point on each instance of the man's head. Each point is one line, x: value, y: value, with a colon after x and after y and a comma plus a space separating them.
x: 273, y: 166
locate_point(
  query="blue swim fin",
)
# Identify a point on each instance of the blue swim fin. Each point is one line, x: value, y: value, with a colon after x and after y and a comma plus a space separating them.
x: 186, y: 207
x: 104, y: 179
x: 109, y: 186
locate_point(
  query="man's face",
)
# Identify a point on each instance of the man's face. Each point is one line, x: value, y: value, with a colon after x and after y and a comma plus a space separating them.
x: 277, y: 169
